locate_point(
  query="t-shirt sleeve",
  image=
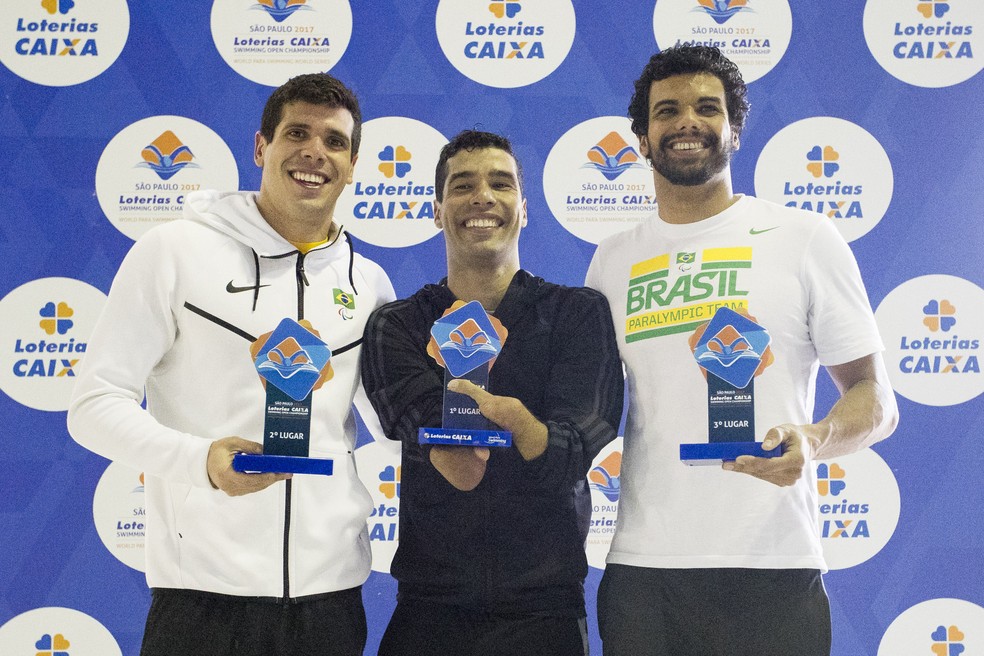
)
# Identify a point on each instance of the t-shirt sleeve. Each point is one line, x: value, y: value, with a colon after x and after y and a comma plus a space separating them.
x: 842, y: 325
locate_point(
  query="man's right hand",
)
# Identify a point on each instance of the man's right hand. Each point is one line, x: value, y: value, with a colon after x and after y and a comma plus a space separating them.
x: 224, y: 477
x: 462, y: 466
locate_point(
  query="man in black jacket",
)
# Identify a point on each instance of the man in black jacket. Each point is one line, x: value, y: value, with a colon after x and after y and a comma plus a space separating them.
x: 491, y: 555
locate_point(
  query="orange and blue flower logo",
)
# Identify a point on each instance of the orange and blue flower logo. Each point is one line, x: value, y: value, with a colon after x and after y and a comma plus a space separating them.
x: 830, y: 479
x: 612, y: 156
x: 939, y: 315
x: 56, y: 318
x: 57, y: 6
x: 505, y: 9
x: 281, y: 10
x: 394, y: 161
x: 48, y: 645
x: 167, y: 155
x: 823, y: 161
x: 933, y: 8
x: 948, y: 641
x: 390, y: 485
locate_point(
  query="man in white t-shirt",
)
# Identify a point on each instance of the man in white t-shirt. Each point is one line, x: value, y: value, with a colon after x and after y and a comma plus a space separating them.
x: 726, y: 560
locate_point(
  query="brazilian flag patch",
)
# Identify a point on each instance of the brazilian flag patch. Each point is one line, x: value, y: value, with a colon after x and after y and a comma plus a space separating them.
x: 344, y: 299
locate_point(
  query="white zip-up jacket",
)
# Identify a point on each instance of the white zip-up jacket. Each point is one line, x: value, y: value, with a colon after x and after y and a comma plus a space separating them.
x: 186, y: 303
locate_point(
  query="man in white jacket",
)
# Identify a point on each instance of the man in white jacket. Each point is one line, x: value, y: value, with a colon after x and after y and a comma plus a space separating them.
x: 243, y: 563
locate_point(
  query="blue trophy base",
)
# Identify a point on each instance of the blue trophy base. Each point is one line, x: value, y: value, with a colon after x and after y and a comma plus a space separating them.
x: 255, y: 463
x: 714, y: 453
x: 463, y: 437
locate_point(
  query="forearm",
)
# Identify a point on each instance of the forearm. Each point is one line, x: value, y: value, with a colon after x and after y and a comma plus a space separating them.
x: 866, y: 413
x: 117, y: 428
x: 529, y: 434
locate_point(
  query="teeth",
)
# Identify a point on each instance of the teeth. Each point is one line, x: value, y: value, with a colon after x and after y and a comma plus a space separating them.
x: 480, y: 223
x: 313, y: 178
x: 689, y: 145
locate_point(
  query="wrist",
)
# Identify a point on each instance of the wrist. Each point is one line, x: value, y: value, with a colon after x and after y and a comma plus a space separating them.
x: 816, y: 436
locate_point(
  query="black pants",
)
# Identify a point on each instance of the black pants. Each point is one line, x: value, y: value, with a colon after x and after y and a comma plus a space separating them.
x: 713, y: 612
x: 426, y: 629
x: 192, y: 623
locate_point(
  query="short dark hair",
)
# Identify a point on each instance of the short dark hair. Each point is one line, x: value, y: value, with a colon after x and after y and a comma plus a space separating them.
x: 471, y: 140
x: 682, y: 60
x: 317, y: 89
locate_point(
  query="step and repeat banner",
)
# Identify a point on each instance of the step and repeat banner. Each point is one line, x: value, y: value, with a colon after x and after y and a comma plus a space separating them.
x: 868, y: 113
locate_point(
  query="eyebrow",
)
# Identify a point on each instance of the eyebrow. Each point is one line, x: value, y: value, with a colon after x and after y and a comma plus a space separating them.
x: 496, y: 173
x: 307, y: 126
x: 702, y: 99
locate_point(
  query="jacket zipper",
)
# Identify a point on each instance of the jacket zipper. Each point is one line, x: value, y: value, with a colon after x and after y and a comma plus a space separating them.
x: 301, y: 283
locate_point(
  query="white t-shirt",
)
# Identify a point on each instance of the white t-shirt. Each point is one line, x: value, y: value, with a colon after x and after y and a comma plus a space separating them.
x: 794, y: 273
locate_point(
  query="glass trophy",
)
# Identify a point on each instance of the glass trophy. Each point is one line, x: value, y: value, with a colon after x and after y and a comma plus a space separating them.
x: 465, y: 342
x: 731, y: 351
x: 293, y: 362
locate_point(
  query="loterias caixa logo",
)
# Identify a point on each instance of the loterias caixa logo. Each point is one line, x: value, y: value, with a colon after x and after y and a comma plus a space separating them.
x: 62, y: 42
x: 830, y: 166
x: 505, y: 44
x: 392, y: 198
x: 54, y: 631
x: 859, y: 507
x: 926, y: 43
x: 43, y: 339
x: 936, y: 627
x: 933, y: 328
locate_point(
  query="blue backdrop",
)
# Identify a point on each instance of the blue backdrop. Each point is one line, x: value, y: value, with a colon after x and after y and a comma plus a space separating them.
x: 52, y: 225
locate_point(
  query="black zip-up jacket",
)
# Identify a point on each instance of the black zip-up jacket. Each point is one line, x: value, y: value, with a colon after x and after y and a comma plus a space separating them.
x: 514, y: 544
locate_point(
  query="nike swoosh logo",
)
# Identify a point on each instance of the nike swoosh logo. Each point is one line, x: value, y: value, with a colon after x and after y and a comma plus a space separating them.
x: 232, y: 289
x: 753, y: 231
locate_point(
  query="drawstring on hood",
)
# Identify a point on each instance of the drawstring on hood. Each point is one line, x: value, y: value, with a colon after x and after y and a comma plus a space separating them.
x: 256, y: 278
x: 348, y: 238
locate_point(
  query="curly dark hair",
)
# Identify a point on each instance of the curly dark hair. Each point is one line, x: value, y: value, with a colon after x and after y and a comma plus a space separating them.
x: 317, y: 89
x: 682, y: 60
x: 471, y: 140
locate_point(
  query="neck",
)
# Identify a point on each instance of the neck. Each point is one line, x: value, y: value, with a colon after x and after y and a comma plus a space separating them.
x: 679, y: 204
x: 299, y: 227
x: 487, y: 285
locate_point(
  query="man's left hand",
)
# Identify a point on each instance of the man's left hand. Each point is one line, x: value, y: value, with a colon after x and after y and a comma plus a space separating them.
x: 782, y: 470
x: 529, y: 433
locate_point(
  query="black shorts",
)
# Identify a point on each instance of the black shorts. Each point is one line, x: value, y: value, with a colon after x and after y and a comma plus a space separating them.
x: 193, y: 623
x: 425, y: 629
x: 713, y: 612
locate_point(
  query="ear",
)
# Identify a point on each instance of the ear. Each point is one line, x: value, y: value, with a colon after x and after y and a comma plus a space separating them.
x: 351, y: 175
x: 524, y: 219
x: 644, y: 146
x: 736, y: 140
x: 258, y: 147
x: 437, y: 216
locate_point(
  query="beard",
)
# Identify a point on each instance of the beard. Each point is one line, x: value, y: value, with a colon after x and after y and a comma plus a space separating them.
x: 691, y: 174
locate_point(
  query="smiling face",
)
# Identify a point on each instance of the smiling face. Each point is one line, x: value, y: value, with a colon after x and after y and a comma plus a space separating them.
x: 689, y: 140
x: 305, y: 167
x: 483, y: 209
